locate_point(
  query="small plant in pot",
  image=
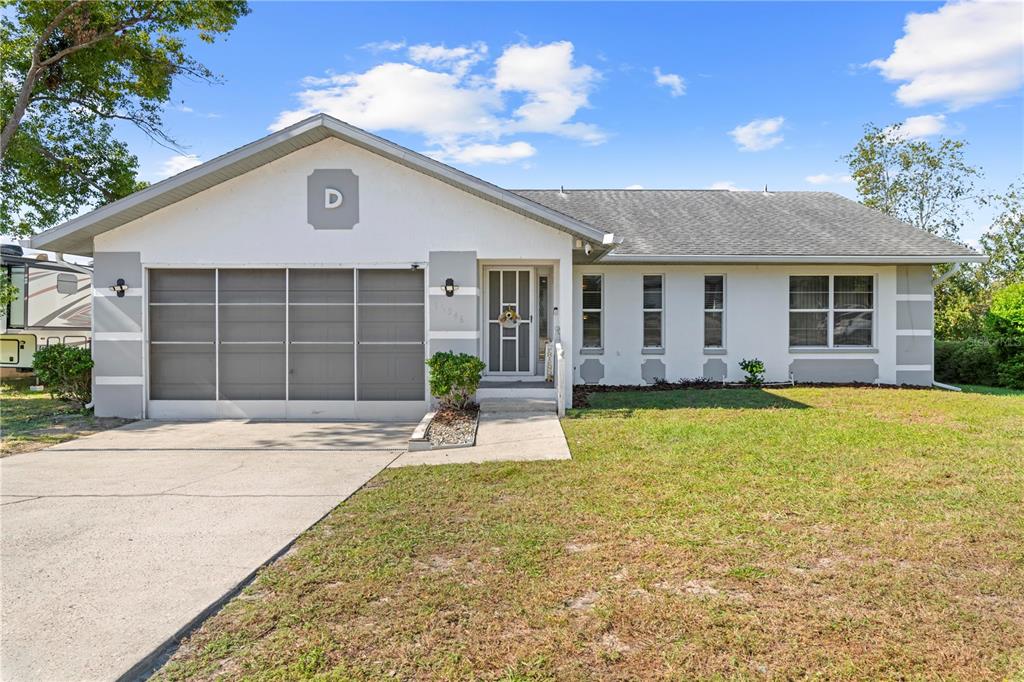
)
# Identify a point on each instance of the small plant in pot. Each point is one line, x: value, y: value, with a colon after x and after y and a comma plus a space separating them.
x: 754, y: 370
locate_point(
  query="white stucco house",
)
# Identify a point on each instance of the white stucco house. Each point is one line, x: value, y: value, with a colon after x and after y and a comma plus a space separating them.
x: 308, y: 274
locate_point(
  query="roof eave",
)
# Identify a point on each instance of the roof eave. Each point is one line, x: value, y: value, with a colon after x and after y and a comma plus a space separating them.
x: 71, y: 236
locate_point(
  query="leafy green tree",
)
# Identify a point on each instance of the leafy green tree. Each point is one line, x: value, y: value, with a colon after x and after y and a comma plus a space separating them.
x: 8, y: 292
x: 69, y: 69
x: 1004, y: 241
x: 1004, y: 325
x: 928, y: 186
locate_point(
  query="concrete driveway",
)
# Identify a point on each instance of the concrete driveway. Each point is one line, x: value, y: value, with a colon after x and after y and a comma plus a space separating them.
x: 111, y: 544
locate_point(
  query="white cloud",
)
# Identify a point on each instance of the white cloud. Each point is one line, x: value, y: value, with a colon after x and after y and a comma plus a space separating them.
x: 485, y: 153
x: 441, y: 94
x: 758, y: 135
x: 673, y: 81
x: 553, y: 87
x: 726, y: 184
x: 826, y: 179
x: 457, y: 59
x: 177, y: 164
x: 384, y: 46
x: 635, y: 187
x: 963, y: 54
x: 916, y: 127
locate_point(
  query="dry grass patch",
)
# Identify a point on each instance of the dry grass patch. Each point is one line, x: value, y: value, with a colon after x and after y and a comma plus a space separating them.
x: 836, y: 533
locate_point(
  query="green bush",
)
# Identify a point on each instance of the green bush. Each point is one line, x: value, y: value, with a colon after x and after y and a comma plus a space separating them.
x: 66, y: 371
x: 1004, y: 326
x: 454, y: 378
x: 972, y: 361
x: 755, y: 371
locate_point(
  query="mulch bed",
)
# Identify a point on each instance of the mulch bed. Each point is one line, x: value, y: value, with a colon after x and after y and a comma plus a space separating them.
x: 581, y: 392
x: 453, y: 427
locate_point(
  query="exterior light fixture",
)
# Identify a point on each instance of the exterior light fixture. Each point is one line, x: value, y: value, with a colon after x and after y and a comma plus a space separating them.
x: 449, y: 287
x: 119, y: 288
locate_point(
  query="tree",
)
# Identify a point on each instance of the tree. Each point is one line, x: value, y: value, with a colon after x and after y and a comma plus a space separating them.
x: 1003, y: 243
x: 70, y: 68
x: 8, y: 292
x: 928, y: 186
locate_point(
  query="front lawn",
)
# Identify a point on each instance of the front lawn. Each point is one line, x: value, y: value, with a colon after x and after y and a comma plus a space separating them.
x: 834, y: 533
x: 32, y: 420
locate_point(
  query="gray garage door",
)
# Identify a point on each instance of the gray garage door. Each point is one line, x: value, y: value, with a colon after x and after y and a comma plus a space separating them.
x: 295, y: 334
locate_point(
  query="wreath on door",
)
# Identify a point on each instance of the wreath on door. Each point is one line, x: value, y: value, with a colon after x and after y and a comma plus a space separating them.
x: 508, y: 318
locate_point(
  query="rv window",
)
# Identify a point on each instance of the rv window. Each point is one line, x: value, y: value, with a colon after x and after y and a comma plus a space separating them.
x: 67, y: 284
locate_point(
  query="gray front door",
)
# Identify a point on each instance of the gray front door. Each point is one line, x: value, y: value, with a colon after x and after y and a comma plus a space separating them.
x: 510, y: 321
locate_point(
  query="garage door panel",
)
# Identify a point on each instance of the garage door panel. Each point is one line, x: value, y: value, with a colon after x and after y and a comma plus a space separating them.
x: 182, y: 323
x: 393, y: 323
x: 252, y: 323
x: 391, y: 286
x: 182, y: 372
x: 181, y: 286
x: 313, y: 323
x: 321, y: 372
x: 251, y: 286
x: 252, y: 372
x: 320, y: 286
x: 391, y: 372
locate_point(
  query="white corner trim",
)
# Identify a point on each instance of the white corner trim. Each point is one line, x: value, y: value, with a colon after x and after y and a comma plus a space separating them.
x: 455, y: 335
x: 119, y: 381
x: 107, y: 293
x: 913, y: 297
x: 459, y: 291
x: 913, y: 368
x: 117, y: 336
x: 913, y: 332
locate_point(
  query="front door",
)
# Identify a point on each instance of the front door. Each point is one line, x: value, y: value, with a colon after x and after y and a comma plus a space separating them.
x: 510, y: 321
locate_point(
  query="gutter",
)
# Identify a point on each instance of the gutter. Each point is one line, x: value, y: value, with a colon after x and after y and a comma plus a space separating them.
x: 946, y: 387
x: 747, y: 258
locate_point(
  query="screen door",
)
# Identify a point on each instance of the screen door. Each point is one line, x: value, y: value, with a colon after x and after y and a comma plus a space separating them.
x: 509, y: 321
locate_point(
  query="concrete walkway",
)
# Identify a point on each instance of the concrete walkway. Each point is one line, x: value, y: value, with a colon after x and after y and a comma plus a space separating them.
x: 111, y: 544
x: 503, y: 436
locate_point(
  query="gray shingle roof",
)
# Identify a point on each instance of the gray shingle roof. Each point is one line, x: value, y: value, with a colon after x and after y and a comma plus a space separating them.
x: 726, y: 223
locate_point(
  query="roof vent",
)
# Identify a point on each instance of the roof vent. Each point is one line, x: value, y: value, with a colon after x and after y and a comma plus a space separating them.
x: 561, y: 191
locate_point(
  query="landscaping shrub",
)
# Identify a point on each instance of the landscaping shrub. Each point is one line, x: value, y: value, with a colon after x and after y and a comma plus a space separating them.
x: 1004, y: 326
x: 454, y: 378
x: 66, y: 371
x: 972, y: 361
x: 754, y: 369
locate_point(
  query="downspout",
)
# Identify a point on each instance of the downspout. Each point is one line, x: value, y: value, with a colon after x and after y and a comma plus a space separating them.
x: 949, y: 273
x: 936, y: 282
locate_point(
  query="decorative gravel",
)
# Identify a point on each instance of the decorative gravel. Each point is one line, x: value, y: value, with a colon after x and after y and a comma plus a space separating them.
x: 453, y: 427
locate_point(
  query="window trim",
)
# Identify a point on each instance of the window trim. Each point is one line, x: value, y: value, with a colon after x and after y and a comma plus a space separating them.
x: 725, y: 302
x: 584, y: 310
x: 831, y: 310
x: 644, y: 309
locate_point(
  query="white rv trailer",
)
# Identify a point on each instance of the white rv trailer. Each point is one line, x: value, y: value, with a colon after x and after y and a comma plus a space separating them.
x: 54, y: 305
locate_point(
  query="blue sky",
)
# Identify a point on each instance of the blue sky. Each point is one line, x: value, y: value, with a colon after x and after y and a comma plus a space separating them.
x: 616, y: 95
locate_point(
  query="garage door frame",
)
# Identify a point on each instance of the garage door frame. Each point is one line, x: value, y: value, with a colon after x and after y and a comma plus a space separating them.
x: 288, y: 408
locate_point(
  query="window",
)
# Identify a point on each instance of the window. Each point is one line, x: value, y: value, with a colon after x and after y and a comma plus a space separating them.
x: 593, y: 299
x: 714, y: 311
x: 831, y: 311
x: 654, y: 306
x: 67, y: 284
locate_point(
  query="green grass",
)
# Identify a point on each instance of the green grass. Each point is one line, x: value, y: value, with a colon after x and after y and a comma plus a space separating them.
x: 724, y: 534
x: 31, y: 420
x: 990, y: 390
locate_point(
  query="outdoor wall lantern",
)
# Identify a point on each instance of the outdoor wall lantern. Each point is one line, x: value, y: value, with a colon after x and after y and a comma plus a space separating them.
x: 449, y: 287
x: 119, y: 288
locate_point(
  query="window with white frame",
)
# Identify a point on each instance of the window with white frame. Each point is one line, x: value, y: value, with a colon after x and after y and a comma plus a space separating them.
x: 831, y: 311
x: 593, y: 302
x: 653, y: 310
x: 714, y: 311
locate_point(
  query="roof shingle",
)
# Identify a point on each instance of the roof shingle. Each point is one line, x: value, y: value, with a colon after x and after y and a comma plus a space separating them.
x: 730, y: 223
